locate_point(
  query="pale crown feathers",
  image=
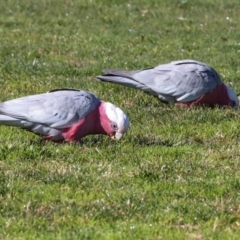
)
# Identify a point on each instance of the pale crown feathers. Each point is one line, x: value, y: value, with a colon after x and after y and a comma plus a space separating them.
x: 233, y: 97
x: 118, y: 118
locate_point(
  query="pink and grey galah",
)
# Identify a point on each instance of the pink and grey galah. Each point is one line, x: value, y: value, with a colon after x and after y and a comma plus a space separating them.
x: 64, y: 115
x: 186, y: 83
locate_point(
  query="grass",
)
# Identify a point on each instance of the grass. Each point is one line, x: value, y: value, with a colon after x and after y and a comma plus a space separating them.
x: 175, y: 175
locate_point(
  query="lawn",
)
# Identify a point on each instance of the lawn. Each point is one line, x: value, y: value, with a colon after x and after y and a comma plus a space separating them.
x: 174, y: 175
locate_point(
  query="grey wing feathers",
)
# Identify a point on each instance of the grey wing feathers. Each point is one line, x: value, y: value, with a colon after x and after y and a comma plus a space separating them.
x: 125, y: 78
x: 188, y: 79
x: 183, y: 81
x: 57, y: 109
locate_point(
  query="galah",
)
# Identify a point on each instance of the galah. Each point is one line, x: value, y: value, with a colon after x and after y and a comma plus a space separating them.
x: 64, y: 115
x: 185, y: 83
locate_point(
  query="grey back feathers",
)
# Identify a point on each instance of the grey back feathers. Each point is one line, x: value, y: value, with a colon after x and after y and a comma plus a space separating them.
x: 181, y: 81
x: 56, y: 109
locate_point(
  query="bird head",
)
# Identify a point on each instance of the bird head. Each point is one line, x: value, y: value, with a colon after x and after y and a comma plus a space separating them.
x: 118, y: 122
x: 233, y: 97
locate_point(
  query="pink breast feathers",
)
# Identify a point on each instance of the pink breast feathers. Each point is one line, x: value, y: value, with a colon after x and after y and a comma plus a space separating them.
x: 219, y: 96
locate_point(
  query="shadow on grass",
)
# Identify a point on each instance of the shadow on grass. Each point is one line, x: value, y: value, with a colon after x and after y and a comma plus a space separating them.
x: 93, y: 140
x: 151, y: 141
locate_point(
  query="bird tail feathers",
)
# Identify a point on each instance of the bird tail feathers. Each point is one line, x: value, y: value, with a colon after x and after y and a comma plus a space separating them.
x: 11, y: 121
x: 118, y: 80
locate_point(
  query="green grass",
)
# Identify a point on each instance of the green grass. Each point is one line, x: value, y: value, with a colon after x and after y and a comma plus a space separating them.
x: 175, y: 175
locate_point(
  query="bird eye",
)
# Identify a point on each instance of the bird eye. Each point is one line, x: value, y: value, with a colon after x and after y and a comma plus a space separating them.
x: 233, y: 103
x: 114, y: 126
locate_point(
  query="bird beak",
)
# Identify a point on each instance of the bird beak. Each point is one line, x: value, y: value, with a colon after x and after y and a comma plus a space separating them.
x: 117, y: 136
